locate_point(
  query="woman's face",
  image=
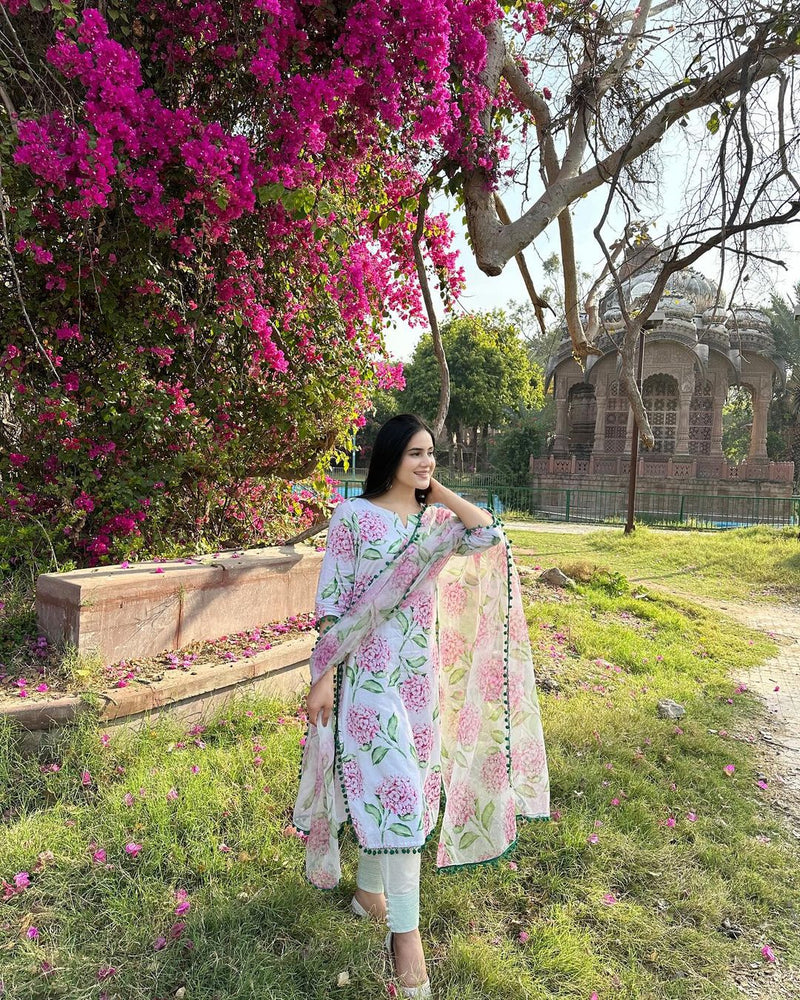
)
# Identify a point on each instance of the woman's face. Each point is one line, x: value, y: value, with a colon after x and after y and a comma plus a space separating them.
x: 417, y: 464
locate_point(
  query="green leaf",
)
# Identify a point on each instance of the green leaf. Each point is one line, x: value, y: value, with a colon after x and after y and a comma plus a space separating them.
x: 391, y: 728
x: 394, y: 678
x: 374, y: 686
x: 713, y: 123
x: 420, y: 640
x: 403, y: 621
x: 371, y: 553
x: 374, y: 811
x: 417, y: 661
x: 486, y: 816
x: 467, y: 840
x: 330, y: 589
x: 378, y: 754
x: 457, y: 675
x: 401, y: 830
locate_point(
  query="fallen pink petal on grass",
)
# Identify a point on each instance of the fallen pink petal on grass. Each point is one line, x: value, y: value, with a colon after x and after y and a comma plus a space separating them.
x: 132, y: 849
x: 768, y: 953
x: 730, y: 769
x: 523, y: 936
x: 610, y: 899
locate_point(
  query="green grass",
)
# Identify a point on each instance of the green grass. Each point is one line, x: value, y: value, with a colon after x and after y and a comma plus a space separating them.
x: 748, y: 563
x: 258, y: 930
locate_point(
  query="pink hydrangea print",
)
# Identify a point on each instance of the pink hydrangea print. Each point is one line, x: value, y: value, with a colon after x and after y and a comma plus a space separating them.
x: 490, y: 679
x: 460, y: 804
x: 421, y: 606
x: 454, y: 598
x: 405, y: 571
x: 415, y: 692
x: 423, y: 742
x: 510, y: 821
x: 433, y: 790
x: 319, y: 836
x: 488, y: 630
x: 451, y: 646
x: 528, y: 758
x: 371, y: 527
x: 353, y: 779
x: 362, y: 724
x: 517, y: 626
x: 358, y: 830
x: 322, y: 879
x: 397, y: 795
x: 469, y: 725
x: 340, y: 542
x: 324, y: 653
x: 443, y: 859
x: 516, y: 691
x: 374, y: 654
x: 494, y: 772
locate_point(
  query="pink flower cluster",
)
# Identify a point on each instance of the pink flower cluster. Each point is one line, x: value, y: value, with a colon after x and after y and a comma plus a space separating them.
x: 398, y: 795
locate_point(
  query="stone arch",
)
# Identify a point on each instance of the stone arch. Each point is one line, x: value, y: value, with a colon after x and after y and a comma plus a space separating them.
x: 701, y: 416
x: 616, y: 422
x: 660, y: 397
x: 582, y: 414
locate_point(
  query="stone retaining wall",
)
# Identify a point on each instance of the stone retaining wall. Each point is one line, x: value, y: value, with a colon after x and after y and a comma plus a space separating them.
x: 143, y: 609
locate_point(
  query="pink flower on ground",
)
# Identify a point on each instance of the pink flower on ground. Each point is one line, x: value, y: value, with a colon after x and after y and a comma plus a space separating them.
x: 460, y: 804
x: 223, y: 848
x: 671, y: 821
x: 172, y: 794
x: 160, y: 943
x: 692, y: 817
x: 730, y: 769
x: 423, y: 741
x: 99, y: 857
x: 132, y: 849
x: 513, y: 865
x: 397, y: 795
x: 523, y: 936
x: 86, y: 778
x: 374, y: 654
x: 762, y: 785
x: 494, y: 772
x: 609, y: 899
x: 105, y: 972
x: 768, y: 953
x: 415, y: 692
x: 391, y: 989
x: 32, y: 933
x: 158, y: 569
x: 362, y: 724
x: 22, y: 880
x: 615, y: 802
x: 353, y: 779
x: 128, y: 800
x: 593, y: 838
x: 469, y: 724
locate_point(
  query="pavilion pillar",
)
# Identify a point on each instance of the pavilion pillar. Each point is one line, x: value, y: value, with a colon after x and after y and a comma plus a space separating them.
x: 682, y: 433
x: 601, y: 400
x: 758, y: 433
x: 718, y: 401
x: 561, y: 442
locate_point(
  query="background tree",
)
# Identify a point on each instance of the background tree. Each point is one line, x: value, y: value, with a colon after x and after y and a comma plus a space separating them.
x: 491, y: 376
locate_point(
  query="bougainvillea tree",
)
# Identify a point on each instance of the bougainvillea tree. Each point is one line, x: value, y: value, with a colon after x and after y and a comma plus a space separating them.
x: 207, y: 216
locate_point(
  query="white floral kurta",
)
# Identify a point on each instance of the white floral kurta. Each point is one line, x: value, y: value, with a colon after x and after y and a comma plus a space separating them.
x: 435, y: 690
x: 388, y: 733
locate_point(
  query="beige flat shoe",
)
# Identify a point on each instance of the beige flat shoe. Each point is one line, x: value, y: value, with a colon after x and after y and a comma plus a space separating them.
x: 420, y: 992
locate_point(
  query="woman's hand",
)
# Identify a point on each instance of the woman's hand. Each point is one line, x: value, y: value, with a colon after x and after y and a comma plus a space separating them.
x: 319, y: 701
x: 470, y: 515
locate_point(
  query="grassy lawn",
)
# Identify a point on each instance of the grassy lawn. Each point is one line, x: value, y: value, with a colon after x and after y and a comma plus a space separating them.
x: 653, y: 843
x: 749, y: 563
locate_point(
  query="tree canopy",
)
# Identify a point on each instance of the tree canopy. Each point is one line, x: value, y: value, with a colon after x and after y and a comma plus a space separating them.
x: 491, y: 373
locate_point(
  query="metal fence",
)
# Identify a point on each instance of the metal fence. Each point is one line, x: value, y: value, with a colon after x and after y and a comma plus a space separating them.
x: 595, y: 506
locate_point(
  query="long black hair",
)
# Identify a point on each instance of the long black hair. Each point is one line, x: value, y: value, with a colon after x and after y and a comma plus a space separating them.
x: 387, y: 453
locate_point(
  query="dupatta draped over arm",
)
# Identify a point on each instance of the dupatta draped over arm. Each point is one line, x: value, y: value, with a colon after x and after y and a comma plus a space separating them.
x: 486, y: 685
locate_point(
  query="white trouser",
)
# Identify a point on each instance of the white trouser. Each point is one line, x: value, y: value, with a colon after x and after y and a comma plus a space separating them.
x: 396, y: 875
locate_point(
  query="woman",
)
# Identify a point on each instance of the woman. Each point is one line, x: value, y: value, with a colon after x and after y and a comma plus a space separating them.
x: 421, y: 680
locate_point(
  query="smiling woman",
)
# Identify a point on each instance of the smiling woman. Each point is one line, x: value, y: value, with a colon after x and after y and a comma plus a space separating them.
x: 389, y: 731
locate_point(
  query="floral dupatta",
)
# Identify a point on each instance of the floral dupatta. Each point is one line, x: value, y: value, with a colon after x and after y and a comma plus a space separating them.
x: 493, y: 758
